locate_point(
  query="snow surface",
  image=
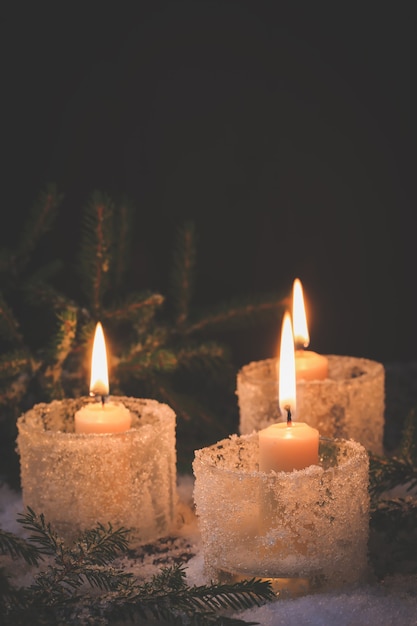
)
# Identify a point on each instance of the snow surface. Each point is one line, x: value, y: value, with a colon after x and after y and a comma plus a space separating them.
x: 393, y: 602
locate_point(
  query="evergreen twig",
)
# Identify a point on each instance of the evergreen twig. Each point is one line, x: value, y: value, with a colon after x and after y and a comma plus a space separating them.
x: 79, y: 584
x: 160, y: 346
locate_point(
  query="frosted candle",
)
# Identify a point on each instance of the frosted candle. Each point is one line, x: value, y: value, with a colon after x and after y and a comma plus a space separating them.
x: 286, y: 447
x: 101, y: 417
x: 317, y: 521
x: 309, y: 365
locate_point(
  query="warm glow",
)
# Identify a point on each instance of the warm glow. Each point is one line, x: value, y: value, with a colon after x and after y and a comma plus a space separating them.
x: 301, y: 335
x: 287, y: 368
x: 99, y: 384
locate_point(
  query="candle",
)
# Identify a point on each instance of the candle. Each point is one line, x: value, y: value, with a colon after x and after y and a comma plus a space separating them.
x: 308, y: 365
x: 287, y: 446
x: 101, y: 417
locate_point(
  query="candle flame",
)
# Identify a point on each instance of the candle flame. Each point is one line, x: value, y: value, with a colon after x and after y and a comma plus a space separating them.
x: 287, y: 394
x: 99, y: 383
x: 301, y: 334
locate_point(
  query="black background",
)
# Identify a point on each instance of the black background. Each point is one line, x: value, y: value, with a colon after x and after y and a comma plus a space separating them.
x: 286, y: 131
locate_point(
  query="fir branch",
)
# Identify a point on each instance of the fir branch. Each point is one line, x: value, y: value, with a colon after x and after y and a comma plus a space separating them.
x: 9, y: 326
x: 58, y: 594
x: 168, y: 597
x: 236, y: 596
x: 96, y: 249
x: 61, y: 345
x: 13, y: 391
x: 123, y: 240
x: 386, y: 473
x: 101, y: 544
x: 395, y: 513
x: 39, y: 293
x: 143, y: 364
x: 401, y: 469
x: 14, y: 363
x: 18, y: 547
x: 42, y: 536
x: 409, y: 438
x: 183, y: 272
x: 39, y: 221
x: 209, y: 356
x: 235, y: 314
x: 393, y: 537
x: 135, y: 307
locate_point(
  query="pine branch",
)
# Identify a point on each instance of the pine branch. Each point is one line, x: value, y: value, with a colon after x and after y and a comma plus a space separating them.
x: 400, y: 469
x: 58, y: 594
x: 60, y: 347
x: 17, y: 547
x: 393, y: 537
x: 168, y: 597
x: 209, y: 356
x: 43, y: 537
x: 183, y: 272
x: 139, y: 308
x: 96, y: 249
x: 39, y: 293
x: 9, y: 326
x: 123, y: 240
x: 236, y: 314
x: 409, y: 438
x: 154, y: 341
x: 39, y: 221
x: 14, y: 363
x: 102, y: 545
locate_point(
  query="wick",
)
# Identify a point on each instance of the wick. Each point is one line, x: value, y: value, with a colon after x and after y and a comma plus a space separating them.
x: 289, y: 420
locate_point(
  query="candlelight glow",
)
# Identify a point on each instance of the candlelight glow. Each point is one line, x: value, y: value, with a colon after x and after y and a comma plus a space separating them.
x: 99, y: 384
x: 301, y: 334
x: 287, y: 395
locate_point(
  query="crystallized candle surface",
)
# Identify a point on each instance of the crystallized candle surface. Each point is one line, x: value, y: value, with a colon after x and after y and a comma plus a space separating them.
x: 78, y: 480
x: 350, y: 403
x: 311, y: 523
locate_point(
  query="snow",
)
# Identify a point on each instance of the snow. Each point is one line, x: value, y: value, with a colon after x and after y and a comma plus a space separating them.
x: 393, y: 601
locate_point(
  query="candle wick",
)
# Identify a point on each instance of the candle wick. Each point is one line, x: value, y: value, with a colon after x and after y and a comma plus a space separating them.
x: 289, y: 419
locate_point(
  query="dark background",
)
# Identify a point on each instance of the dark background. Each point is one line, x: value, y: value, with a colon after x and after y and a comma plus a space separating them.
x: 287, y: 131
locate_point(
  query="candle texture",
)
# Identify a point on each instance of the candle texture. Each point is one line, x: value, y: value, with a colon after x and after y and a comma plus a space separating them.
x: 309, y: 365
x: 77, y: 480
x: 318, y: 518
x: 350, y: 403
x: 102, y: 416
x: 286, y: 446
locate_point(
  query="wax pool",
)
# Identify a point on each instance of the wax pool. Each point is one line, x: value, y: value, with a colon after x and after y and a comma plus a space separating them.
x: 286, y: 447
x: 98, y: 417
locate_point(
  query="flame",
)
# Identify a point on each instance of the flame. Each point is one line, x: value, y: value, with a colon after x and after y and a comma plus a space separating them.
x: 99, y: 384
x: 287, y: 394
x: 301, y: 334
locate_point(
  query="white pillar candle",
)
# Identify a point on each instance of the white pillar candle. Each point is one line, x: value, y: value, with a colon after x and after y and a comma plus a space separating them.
x: 286, y: 447
x: 102, y: 416
x: 309, y: 365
